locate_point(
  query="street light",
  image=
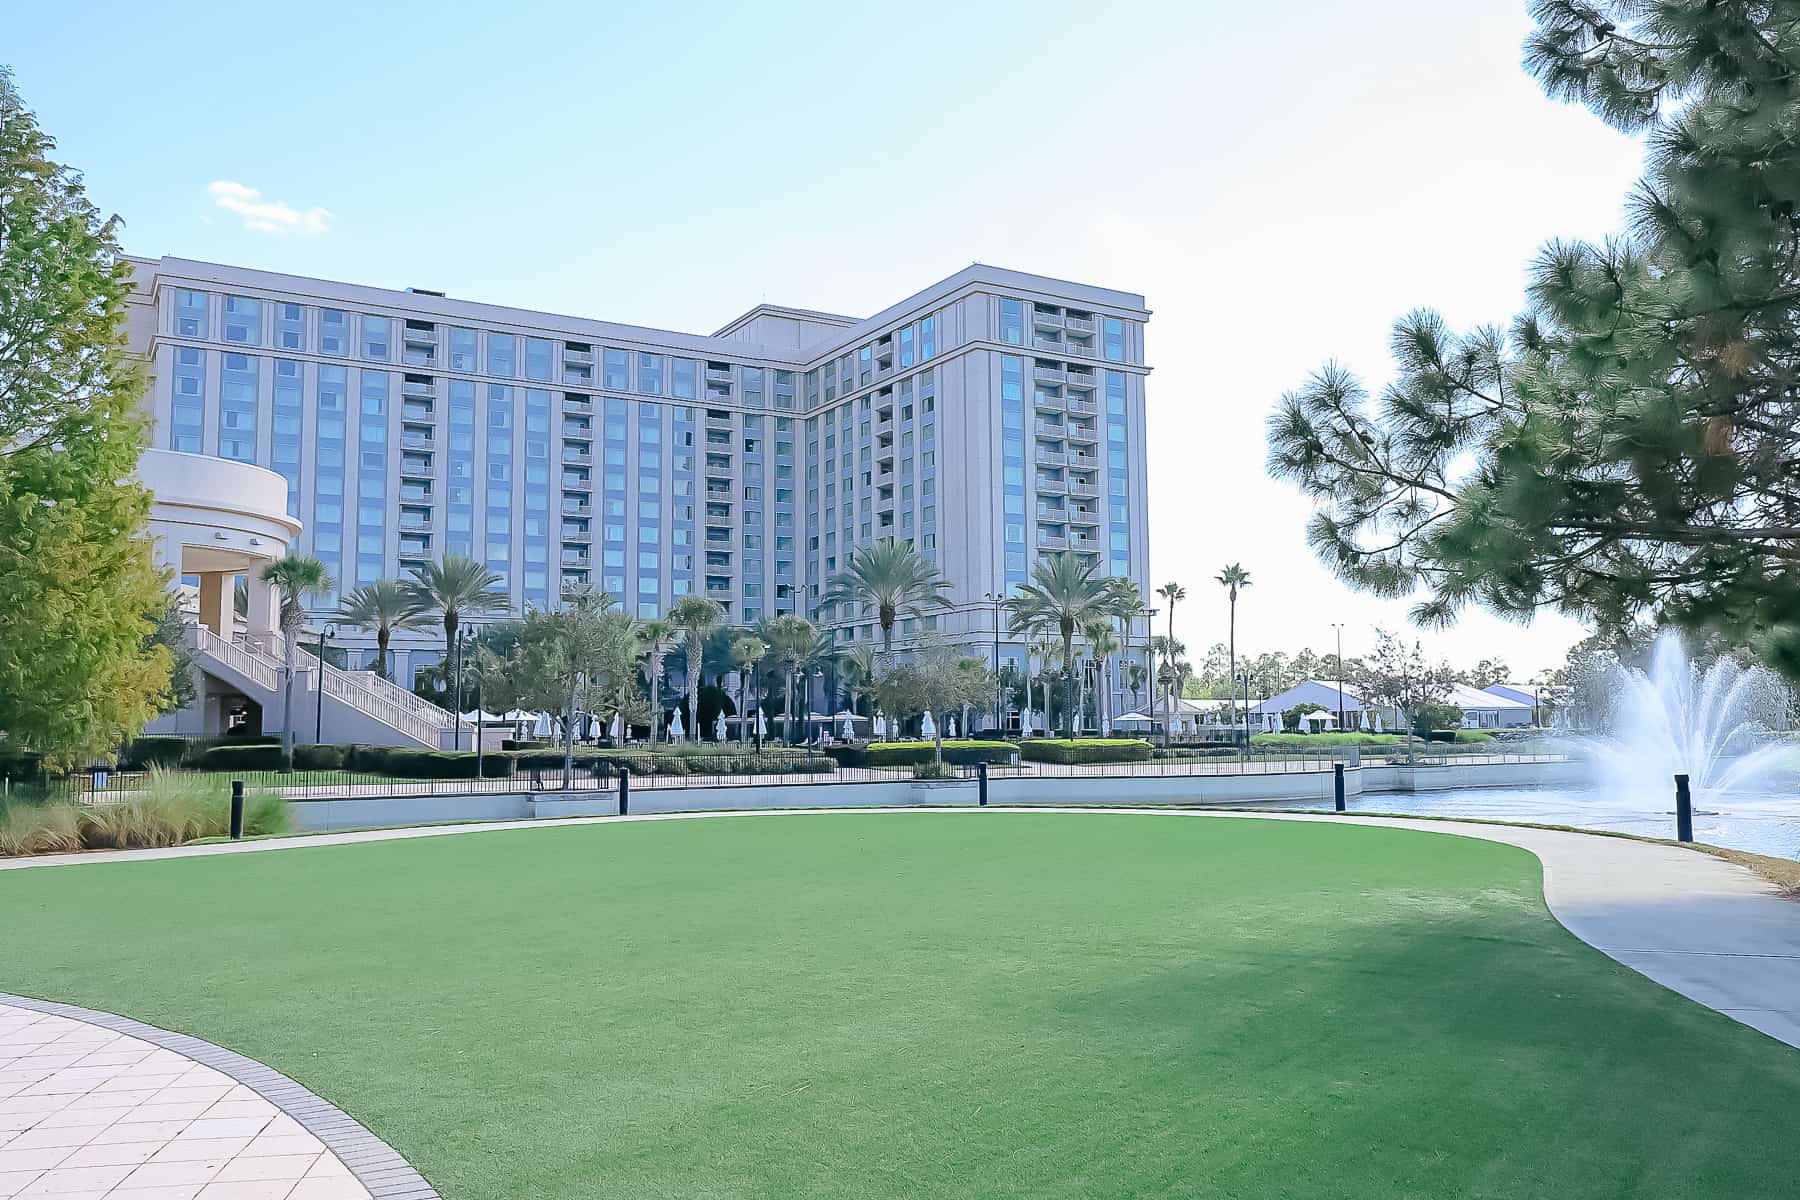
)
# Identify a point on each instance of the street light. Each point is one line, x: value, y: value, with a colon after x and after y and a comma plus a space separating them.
x: 1339, y: 626
x: 1150, y: 653
x: 326, y: 633
x: 994, y: 598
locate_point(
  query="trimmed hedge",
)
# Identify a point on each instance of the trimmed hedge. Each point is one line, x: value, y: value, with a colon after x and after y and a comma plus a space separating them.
x: 524, y: 744
x: 146, y: 752
x: 252, y: 757
x: 962, y: 752
x: 1084, y: 750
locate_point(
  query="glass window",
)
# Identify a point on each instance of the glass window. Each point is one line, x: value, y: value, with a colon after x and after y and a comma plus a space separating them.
x: 618, y: 371
x: 502, y: 354
x: 375, y: 334
x: 243, y: 320
x: 190, y: 314
x: 927, y: 338
x: 650, y: 374
x: 537, y: 358
x: 681, y: 378
x: 906, y: 346
x: 462, y: 350
x: 334, y: 331
x: 1113, y: 339
x: 1012, y: 322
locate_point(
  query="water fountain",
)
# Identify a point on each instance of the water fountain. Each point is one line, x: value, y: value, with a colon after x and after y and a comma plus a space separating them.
x: 1674, y: 718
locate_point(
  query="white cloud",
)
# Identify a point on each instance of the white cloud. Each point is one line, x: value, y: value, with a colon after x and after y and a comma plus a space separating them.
x: 266, y: 216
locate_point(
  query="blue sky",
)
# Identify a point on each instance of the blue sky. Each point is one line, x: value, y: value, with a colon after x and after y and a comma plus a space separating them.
x: 1282, y: 182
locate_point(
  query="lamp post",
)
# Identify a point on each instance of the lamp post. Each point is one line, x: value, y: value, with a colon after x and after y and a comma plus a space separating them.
x: 1339, y: 626
x: 1246, y: 679
x: 818, y: 677
x: 1150, y: 654
x: 326, y: 633
x: 994, y: 598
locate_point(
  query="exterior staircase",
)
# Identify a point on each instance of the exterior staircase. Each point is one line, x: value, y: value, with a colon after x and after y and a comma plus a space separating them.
x: 357, y: 706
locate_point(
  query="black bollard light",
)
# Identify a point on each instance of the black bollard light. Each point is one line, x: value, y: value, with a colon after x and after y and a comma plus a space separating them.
x: 981, y: 784
x: 1337, y: 786
x: 1684, y: 811
x: 624, y: 790
x: 237, y: 809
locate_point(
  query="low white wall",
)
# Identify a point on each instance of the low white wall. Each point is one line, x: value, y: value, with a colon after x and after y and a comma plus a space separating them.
x: 1312, y: 786
x: 1473, y: 775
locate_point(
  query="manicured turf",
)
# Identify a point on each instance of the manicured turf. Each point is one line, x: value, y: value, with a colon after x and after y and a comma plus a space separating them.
x: 965, y: 1005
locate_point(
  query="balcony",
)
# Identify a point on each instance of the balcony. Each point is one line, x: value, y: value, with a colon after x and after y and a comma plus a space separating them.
x: 578, y: 404
x: 421, y: 337
x: 413, y: 520
x: 580, y: 358
x: 1045, y: 429
x: 1053, y: 514
x: 575, y: 558
x: 576, y: 483
x: 1051, y: 458
x: 718, y: 587
x: 1076, y: 324
x: 1051, y: 376
x: 416, y: 441
x: 577, y: 458
x: 417, y: 410
x: 1080, y: 349
x: 576, y: 508
x: 1084, y: 516
x: 1081, y: 378
x: 1050, y: 345
x: 1083, y: 461
x: 1052, y: 541
x: 1081, y: 406
x: 416, y: 466
x: 1085, y: 491
x: 1045, y: 319
x: 1052, y: 487
x: 1081, y: 433
x: 415, y: 389
x: 718, y: 374
x: 1082, y: 541
x: 581, y: 536
x: 412, y: 493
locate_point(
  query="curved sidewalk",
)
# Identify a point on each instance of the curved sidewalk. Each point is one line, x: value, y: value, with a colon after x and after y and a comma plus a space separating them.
x: 97, y: 1105
x: 1706, y: 928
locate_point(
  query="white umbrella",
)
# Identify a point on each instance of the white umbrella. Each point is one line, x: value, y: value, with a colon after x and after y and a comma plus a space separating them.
x: 719, y: 728
x: 849, y: 729
x: 928, y: 727
x: 1377, y: 720
x: 762, y: 726
x: 1025, y: 722
x: 542, y: 726
x: 617, y: 727
x: 952, y: 724
x: 676, y: 732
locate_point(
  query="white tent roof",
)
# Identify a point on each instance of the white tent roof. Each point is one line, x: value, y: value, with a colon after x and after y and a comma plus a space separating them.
x: 1133, y: 718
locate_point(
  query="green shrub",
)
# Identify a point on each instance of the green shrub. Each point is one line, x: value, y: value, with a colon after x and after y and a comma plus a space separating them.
x: 321, y: 758
x: 404, y: 763
x: 169, y: 808
x: 963, y: 752
x: 853, y: 754
x: 21, y: 765
x: 146, y: 752
x: 252, y: 757
x: 524, y: 743
x: 935, y: 770
x: 1312, y: 741
x: 1084, y: 750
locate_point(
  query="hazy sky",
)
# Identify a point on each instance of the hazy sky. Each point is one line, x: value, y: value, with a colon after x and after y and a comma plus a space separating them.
x: 1282, y: 182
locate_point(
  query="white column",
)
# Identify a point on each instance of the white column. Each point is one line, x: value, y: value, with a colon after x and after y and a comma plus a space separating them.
x: 215, y: 602
x: 264, y: 616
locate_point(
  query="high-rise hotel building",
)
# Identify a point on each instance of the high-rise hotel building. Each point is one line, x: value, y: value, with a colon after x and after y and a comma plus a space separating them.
x: 992, y: 417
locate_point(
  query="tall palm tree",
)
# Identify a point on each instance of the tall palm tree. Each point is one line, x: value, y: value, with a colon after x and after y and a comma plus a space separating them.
x: 296, y: 577
x: 1134, y: 679
x: 1063, y: 596
x: 895, y: 578
x: 385, y: 606
x: 693, y: 619
x: 1103, y: 643
x: 1162, y: 653
x: 746, y: 652
x: 791, y: 638
x: 455, y: 586
x: 1125, y: 600
x: 655, y: 637
x: 857, y: 667
x: 1234, y: 578
x: 1171, y: 593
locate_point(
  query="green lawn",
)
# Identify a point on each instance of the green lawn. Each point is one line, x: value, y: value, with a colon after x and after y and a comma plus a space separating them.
x: 945, y: 1005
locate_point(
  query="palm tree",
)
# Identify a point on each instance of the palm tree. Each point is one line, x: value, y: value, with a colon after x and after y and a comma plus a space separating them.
x: 746, y: 652
x: 296, y: 578
x: 693, y: 619
x: 1063, y: 596
x: 792, y: 638
x: 655, y: 637
x: 895, y: 578
x: 1104, y: 643
x: 453, y: 587
x: 1171, y: 592
x: 1162, y: 652
x: 1233, y: 578
x: 1134, y: 679
x: 857, y: 667
x: 386, y: 607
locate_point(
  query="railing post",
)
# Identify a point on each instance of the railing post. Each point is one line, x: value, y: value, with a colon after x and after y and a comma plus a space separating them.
x: 1684, y: 811
x: 624, y: 790
x: 981, y: 780
x: 237, y: 809
x: 1337, y: 786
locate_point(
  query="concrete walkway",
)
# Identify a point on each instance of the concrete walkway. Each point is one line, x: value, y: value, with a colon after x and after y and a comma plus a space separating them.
x: 1706, y: 928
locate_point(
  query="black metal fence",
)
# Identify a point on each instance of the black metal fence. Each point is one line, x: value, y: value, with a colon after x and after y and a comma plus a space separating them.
x: 509, y: 774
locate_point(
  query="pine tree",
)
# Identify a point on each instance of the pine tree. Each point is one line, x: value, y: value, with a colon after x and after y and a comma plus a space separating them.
x: 80, y: 668
x: 1628, y: 445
